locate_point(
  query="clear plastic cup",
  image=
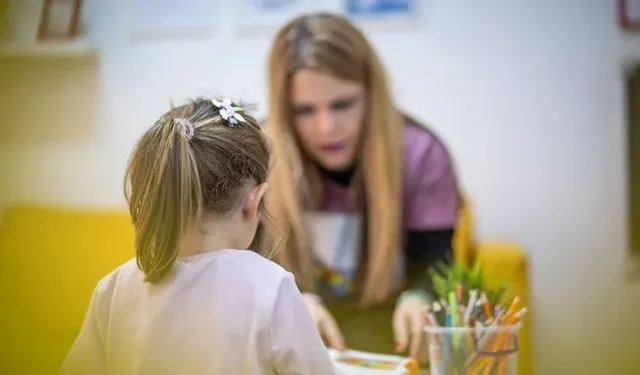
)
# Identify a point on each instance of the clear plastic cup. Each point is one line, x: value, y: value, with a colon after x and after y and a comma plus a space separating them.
x: 480, y: 350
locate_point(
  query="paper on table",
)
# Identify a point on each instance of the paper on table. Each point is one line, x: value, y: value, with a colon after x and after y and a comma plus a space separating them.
x: 353, y: 362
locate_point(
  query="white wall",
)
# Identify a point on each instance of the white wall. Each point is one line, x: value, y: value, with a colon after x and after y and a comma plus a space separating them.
x: 528, y: 94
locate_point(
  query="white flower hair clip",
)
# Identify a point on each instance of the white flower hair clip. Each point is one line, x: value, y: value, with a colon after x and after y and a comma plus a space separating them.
x: 186, y: 128
x: 228, y: 111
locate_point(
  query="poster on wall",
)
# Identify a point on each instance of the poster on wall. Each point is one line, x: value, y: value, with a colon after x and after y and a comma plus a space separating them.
x: 382, y: 11
x: 629, y: 14
x: 171, y: 18
x: 269, y: 15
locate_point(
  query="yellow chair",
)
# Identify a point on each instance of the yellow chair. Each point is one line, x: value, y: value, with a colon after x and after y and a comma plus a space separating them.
x: 504, y: 262
x: 51, y: 259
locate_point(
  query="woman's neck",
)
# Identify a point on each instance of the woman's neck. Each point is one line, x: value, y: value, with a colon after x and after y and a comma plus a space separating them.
x: 342, y: 177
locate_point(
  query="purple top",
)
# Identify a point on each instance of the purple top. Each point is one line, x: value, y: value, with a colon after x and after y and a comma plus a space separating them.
x: 430, y: 190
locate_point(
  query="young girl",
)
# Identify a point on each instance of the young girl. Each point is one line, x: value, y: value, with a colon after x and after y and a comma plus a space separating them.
x: 191, y: 303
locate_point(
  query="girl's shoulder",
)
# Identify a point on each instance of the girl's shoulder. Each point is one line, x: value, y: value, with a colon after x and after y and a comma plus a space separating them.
x: 104, y: 290
x: 109, y: 281
x: 251, y: 260
x: 422, y: 148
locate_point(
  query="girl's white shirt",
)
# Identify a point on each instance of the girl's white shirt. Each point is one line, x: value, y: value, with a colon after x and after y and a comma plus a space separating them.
x: 222, y: 312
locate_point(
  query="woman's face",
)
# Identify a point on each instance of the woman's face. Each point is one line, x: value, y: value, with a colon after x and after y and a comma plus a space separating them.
x: 328, y: 116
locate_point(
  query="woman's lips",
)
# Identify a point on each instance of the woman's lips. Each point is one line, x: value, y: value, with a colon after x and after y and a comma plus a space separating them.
x: 332, y: 148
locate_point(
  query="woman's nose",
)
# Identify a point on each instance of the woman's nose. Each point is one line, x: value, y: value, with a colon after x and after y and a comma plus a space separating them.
x: 326, y: 123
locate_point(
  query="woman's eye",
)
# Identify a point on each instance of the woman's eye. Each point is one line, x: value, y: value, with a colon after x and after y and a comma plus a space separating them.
x: 342, y: 105
x: 303, y: 111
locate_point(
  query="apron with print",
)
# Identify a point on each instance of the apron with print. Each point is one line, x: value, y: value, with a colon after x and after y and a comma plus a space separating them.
x: 336, y: 239
x: 336, y: 246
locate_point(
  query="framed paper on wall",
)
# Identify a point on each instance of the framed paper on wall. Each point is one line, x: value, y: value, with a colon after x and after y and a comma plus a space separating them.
x: 381, y: 10
x: 259, y: 16
x: 629, y: 14
x: 59, y: 19
x: 384, y: 13
x: 151, y: 19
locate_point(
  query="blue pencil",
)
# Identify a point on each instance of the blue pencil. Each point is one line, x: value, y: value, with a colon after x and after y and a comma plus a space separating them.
x: 446, y: 344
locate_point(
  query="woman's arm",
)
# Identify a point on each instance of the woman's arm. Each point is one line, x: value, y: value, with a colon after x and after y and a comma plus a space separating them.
x: 431, y: 208
x: 430, y: 213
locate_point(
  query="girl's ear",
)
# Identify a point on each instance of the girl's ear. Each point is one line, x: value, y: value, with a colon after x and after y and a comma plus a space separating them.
x: 251, y: 207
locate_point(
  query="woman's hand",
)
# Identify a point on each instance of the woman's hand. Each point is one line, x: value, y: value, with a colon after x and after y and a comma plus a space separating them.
x: 409, y: 321
x: 327, y: 326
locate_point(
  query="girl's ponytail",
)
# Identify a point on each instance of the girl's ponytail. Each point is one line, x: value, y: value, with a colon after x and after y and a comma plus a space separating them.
x: 162, y: 187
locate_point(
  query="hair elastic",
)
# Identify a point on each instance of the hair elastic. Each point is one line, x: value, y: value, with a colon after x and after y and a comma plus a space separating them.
x: 186, y: 128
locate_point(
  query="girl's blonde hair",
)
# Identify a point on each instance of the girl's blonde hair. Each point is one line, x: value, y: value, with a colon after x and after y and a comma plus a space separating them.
x: 331, y: 44
x: 191, y: 162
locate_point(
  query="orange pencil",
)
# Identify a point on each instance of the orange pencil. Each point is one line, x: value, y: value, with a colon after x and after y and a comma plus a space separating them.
x: 412, y: 366
x: 514, y: 305
x: 503, y: 340
x: 471, y: 322
x: 497, y: 346
x: 502, y: 363
x: 520, y: 314
x: 487, y: 307
x: 476, y: 362
x: 496, y: 343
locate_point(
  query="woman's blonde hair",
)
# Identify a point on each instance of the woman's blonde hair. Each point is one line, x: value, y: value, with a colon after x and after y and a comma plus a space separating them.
x: 191, y: 162
x: 331, y: 44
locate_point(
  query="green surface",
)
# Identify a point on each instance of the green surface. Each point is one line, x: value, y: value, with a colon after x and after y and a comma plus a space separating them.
x: 368, y: 330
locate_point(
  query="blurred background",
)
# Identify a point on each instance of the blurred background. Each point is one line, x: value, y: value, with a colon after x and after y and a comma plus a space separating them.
x: 531, y: 97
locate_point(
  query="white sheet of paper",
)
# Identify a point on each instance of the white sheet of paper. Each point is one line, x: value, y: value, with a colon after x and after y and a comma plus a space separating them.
x: 346, y: 369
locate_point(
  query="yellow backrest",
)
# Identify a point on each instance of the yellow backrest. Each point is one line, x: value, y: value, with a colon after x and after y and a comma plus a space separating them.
x: 463, y: 238
x: 50, y: 261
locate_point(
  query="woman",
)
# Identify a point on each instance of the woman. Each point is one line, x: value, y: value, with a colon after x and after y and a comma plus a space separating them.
x: 367, y: 196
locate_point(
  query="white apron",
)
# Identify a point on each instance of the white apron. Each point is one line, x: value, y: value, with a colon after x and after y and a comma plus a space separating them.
x: 336, y: 244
